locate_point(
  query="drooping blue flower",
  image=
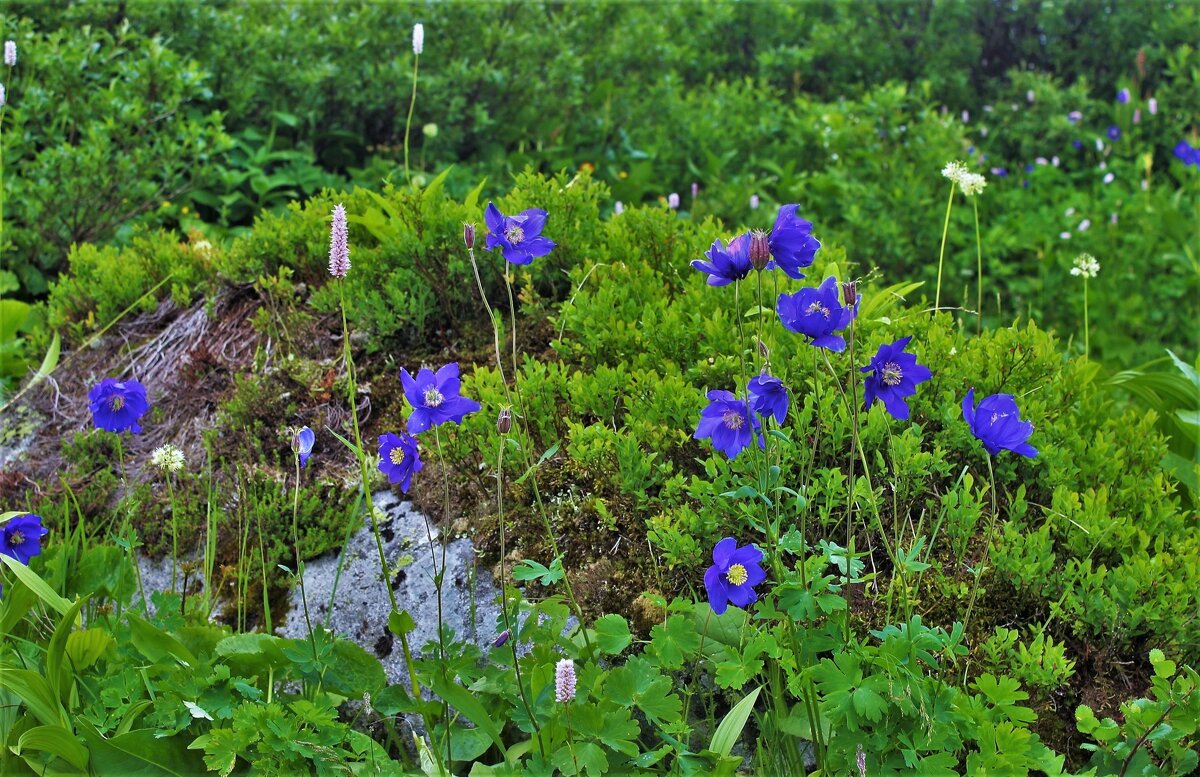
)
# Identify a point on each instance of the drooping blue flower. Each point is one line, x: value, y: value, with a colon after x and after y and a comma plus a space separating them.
x: 1123, y: 96
x: 1114, y: 132
x: 21, y: 537
x: 1187, y: 154
x: 117, y: 406
x: 519, y: 237
x: 768, y: 397
x: 435, y: 398
x: 817, y: 314
x: 399, y: 458
x: 302, y: 444
x: 792, y: 245
x: 728, y: 422
x: 733, y: 575
x: 997, y: 424
x: 726, y: 264
x: 894, y: 376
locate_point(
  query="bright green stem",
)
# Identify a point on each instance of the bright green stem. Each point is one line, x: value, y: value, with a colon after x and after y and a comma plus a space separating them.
x: 978, y: 267
x: 174, y: 532
x: 299, y: 562
x: 937, y: 299
x: 438, y: 579
x: 408, y: 122
x: 1086, y: 327
x: 366, y: 485
x: 987, y: 548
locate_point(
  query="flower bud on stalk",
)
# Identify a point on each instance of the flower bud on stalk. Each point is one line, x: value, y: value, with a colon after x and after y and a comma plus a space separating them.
x: 760, y: 250
x: 504, y: 421
x: 469, y: 235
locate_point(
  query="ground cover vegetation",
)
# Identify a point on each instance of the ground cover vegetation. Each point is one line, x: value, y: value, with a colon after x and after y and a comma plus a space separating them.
x: 873, y: 451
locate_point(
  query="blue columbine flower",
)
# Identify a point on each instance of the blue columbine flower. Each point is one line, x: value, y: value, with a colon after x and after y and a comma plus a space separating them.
x: 733, y: 575
x: 519, y: 237
x: 1114, y: 132
x: 118, y: 405
x: 399, y: 458
x: 817, y: 313
x: 302, y: 444
x: 768, y: 396
x: 728, y: 422
x: 997, y: 424
x: 435, y: 398
x: 726, y: 264
x: 894, y: 376
x: 792, y: 245
x: 1187, y: 154
x: 21, y: 537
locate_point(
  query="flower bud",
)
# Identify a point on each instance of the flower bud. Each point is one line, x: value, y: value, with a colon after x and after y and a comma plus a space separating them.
x: 765, y: 353
x: 501, y: 638
x: 469, y: 235
x: 504, y: 421
x: 849, y: 293
x: 760, y: 249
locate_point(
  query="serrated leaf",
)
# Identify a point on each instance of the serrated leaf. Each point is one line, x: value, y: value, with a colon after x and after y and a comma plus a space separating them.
x: 612, y: 634
x: 673, y: 641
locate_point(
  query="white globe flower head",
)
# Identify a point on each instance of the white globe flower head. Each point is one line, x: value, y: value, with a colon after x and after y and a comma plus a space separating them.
x: 1086, y: 266
x: 972, y: 184
x: 955, y: 171
x: 168, y: 458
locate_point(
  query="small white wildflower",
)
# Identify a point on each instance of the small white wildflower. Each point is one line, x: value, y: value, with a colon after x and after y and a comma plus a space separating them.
x: 1153, y: 103
x: 1054, y: 161
x: 2, y: 100
x: 618, y: 208
x: 1029, y: 95
x: 673, y: 201
x: 1065, y: 235
x: 955, y: 171
x: 1099, y: 144
x: 1145, y: 185
x: 10, y: 53
x: 1041, y: 160
x: 168, y: 458
x: 1084, y: 225
x: 1086, y: 266
x: 972, y: 184
x: 1109, y: 178
x: 418, y: 38
x: 1070, y: 212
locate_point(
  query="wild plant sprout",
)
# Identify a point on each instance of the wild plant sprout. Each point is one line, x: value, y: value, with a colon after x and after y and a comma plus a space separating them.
x: 1086, y: 267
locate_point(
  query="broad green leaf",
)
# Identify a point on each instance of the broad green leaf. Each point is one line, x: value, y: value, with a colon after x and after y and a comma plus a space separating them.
x: 466, y: 703
x: 730, y: 727
x: 352, y: 670
x: 639, y: 683
x: 36, y: 584
x: 673, y: 641
x: 57, y: 648
x: 55, y: 740
x: 612, y: 634
x: 155, y: 644
x: 139, y: 754
x: 33, y: 690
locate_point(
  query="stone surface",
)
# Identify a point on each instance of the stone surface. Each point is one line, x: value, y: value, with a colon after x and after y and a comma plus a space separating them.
x: 360, y: 607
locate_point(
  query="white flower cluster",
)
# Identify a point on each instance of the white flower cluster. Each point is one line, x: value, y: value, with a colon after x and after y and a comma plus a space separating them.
x: 1086, y: 265
x: 970, y: 183
x: 168, y: 458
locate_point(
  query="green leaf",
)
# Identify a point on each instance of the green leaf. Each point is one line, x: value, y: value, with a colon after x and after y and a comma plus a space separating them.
x: 139, y: 753
x: 36, y: 584
x: 58, y: 646
x: 730, y: 728
x: 553, y: 449
x: 56, y: 741
x: 400, y: 623
x: 527, y: 570
x: 585, y: 757
x: 352, y: 670
x: 612, y: 634
x: 155, y: 644
x: 467, y: 744
x: 638, y: 683
x: 467, y: 704
x: 84, y: 648
x: 35, y: 692
x: 673, y: 641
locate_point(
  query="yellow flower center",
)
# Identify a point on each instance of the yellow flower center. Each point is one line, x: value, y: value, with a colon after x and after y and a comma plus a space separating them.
x: 737, y: 574
x: 116, y: 403
x: 397, y: 455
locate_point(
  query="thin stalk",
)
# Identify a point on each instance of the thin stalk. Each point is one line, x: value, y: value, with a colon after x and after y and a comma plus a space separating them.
x: 987, y: 548
x: 366, y: 485
x: 438, y: 579
x: 1086, y: 327
x: 408, y: 122
x: 571, y: 737
x: 175, y: 528
x: 508, y: 626
x: 937, y: 299
x: 299, y: 562
x: 978, y: 267
x: 855, y: 443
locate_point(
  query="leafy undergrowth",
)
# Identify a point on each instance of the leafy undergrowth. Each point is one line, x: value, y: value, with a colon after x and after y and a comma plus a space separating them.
x: 877, y: 639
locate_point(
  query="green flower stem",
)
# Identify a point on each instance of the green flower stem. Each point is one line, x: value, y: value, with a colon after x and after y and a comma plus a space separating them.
x: 519, y: 404
x: 508, y: 625
x: 408, y: 122
x: 299, y: 562
x: 978, y: 268
x: 1086, y: 327
x: 987, y: 548
x: 366, y: 486
x: 174, y: 531
x: 438, y: 578
x: 937, y: 299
